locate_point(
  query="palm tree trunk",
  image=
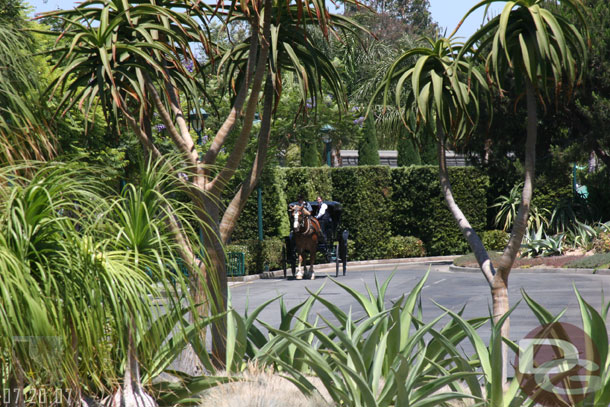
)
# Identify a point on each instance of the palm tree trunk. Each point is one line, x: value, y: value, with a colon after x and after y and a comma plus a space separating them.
x: 132, y: 394
x: 216, y: 274
x: 499, y: 286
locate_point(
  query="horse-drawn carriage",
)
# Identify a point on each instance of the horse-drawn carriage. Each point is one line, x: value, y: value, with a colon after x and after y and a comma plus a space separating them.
x: 301, y: 239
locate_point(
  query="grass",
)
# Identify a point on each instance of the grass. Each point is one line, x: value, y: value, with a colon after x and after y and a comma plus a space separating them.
x: 577, y: 261
x: 263, y: 388
x: 600, y: 260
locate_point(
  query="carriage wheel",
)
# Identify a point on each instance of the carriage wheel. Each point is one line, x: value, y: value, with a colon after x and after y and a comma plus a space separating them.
x: 337, y: 258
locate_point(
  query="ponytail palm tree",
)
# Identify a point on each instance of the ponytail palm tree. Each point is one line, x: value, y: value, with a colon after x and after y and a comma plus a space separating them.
x: 134, y: 58
x: 443, y: 99
x: 80, y: 270
x: 546, y: 55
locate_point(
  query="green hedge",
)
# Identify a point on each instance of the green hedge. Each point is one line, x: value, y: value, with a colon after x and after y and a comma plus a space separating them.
x: 420, y: 210
x: 365, y: 192
x: 378, y: 202
x: 310, y: 182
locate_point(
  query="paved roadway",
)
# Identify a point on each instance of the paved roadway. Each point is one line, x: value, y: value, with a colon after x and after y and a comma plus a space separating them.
x: 450, y: 289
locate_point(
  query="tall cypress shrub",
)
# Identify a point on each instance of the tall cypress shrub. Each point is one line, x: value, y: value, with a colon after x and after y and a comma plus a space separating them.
x: 368, y: 148
x: 408, y: 153
x: 428, y: 152
x: 310, y: 156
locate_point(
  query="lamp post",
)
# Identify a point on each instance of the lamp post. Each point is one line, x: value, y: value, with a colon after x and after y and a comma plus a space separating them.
x: 326, y: 130
x: 197, y: 118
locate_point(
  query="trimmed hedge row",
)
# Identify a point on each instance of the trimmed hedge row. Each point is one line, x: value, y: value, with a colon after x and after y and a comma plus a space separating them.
x: 420, y: 210
x: 365, y: 192
x: 378, y: 202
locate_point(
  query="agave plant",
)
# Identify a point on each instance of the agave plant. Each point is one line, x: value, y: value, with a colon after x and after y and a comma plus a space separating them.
x: 534, y: 244
x: 382, y: 359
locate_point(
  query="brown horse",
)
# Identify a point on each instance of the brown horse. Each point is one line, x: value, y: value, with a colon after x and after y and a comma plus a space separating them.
x: 306, y: 235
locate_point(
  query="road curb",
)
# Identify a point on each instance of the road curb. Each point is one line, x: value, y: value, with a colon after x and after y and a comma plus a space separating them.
x: 459, y: 269
x: 331, y: 267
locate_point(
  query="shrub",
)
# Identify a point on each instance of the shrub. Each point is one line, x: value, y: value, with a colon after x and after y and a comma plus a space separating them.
x: 271, y: 254
x: 310, y: 156
x: 275, y: 220
x: 420, y: 210
x: 407, y: 151
x: 260, y: 255
x: 365, y: 192
x: 378, y: 202
x: 310, y: 182
x: 494, y: 240
x: 404, y: 246
x: 368, y: 148
x: 601, y: 243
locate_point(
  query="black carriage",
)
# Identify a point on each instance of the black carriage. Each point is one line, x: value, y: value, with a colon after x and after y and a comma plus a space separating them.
x: 333, y: 250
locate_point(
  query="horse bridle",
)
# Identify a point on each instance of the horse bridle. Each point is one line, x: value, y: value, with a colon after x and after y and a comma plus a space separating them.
x: 301, y: 218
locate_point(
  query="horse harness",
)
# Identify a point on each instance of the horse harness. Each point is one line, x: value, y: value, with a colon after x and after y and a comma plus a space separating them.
x: 308, y: 225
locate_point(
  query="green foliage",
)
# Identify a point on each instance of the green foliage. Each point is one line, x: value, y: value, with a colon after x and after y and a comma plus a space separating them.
x: 84, y: 266
x: 599, y: 193
x: 310, y: 154
x: 599, y: 260
x: 407, y: 152
x: 550, y: 195
x: 538, y: 243
x: 594, y: 326
x: 275, y: 221
x: 494, y: 240
x: 418, y: 208
x: 508, y: 205
x: 428, y: 150
x: 404, y: 246
x: 310, y: 182
x: 366, y: 194
x: 260, y: 255
x: 368, y: 148
x: 378, y: 202
x: 382, y: 359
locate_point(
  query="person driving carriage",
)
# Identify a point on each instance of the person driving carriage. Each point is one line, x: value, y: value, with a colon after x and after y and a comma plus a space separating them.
x: 304, y: 204
x: 324, y: 218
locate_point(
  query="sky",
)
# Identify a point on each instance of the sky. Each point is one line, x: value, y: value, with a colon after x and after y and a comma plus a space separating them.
x: 447, y: 13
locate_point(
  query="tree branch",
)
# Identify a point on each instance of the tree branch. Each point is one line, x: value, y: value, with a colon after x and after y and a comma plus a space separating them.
x: 211, y: 155
x: 229, y: 219
x: 218, y: 184
x: 183, y: 141
x: 469, y: 233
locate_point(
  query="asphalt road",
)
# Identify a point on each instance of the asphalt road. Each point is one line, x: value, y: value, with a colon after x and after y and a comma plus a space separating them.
x: 555, y: 291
